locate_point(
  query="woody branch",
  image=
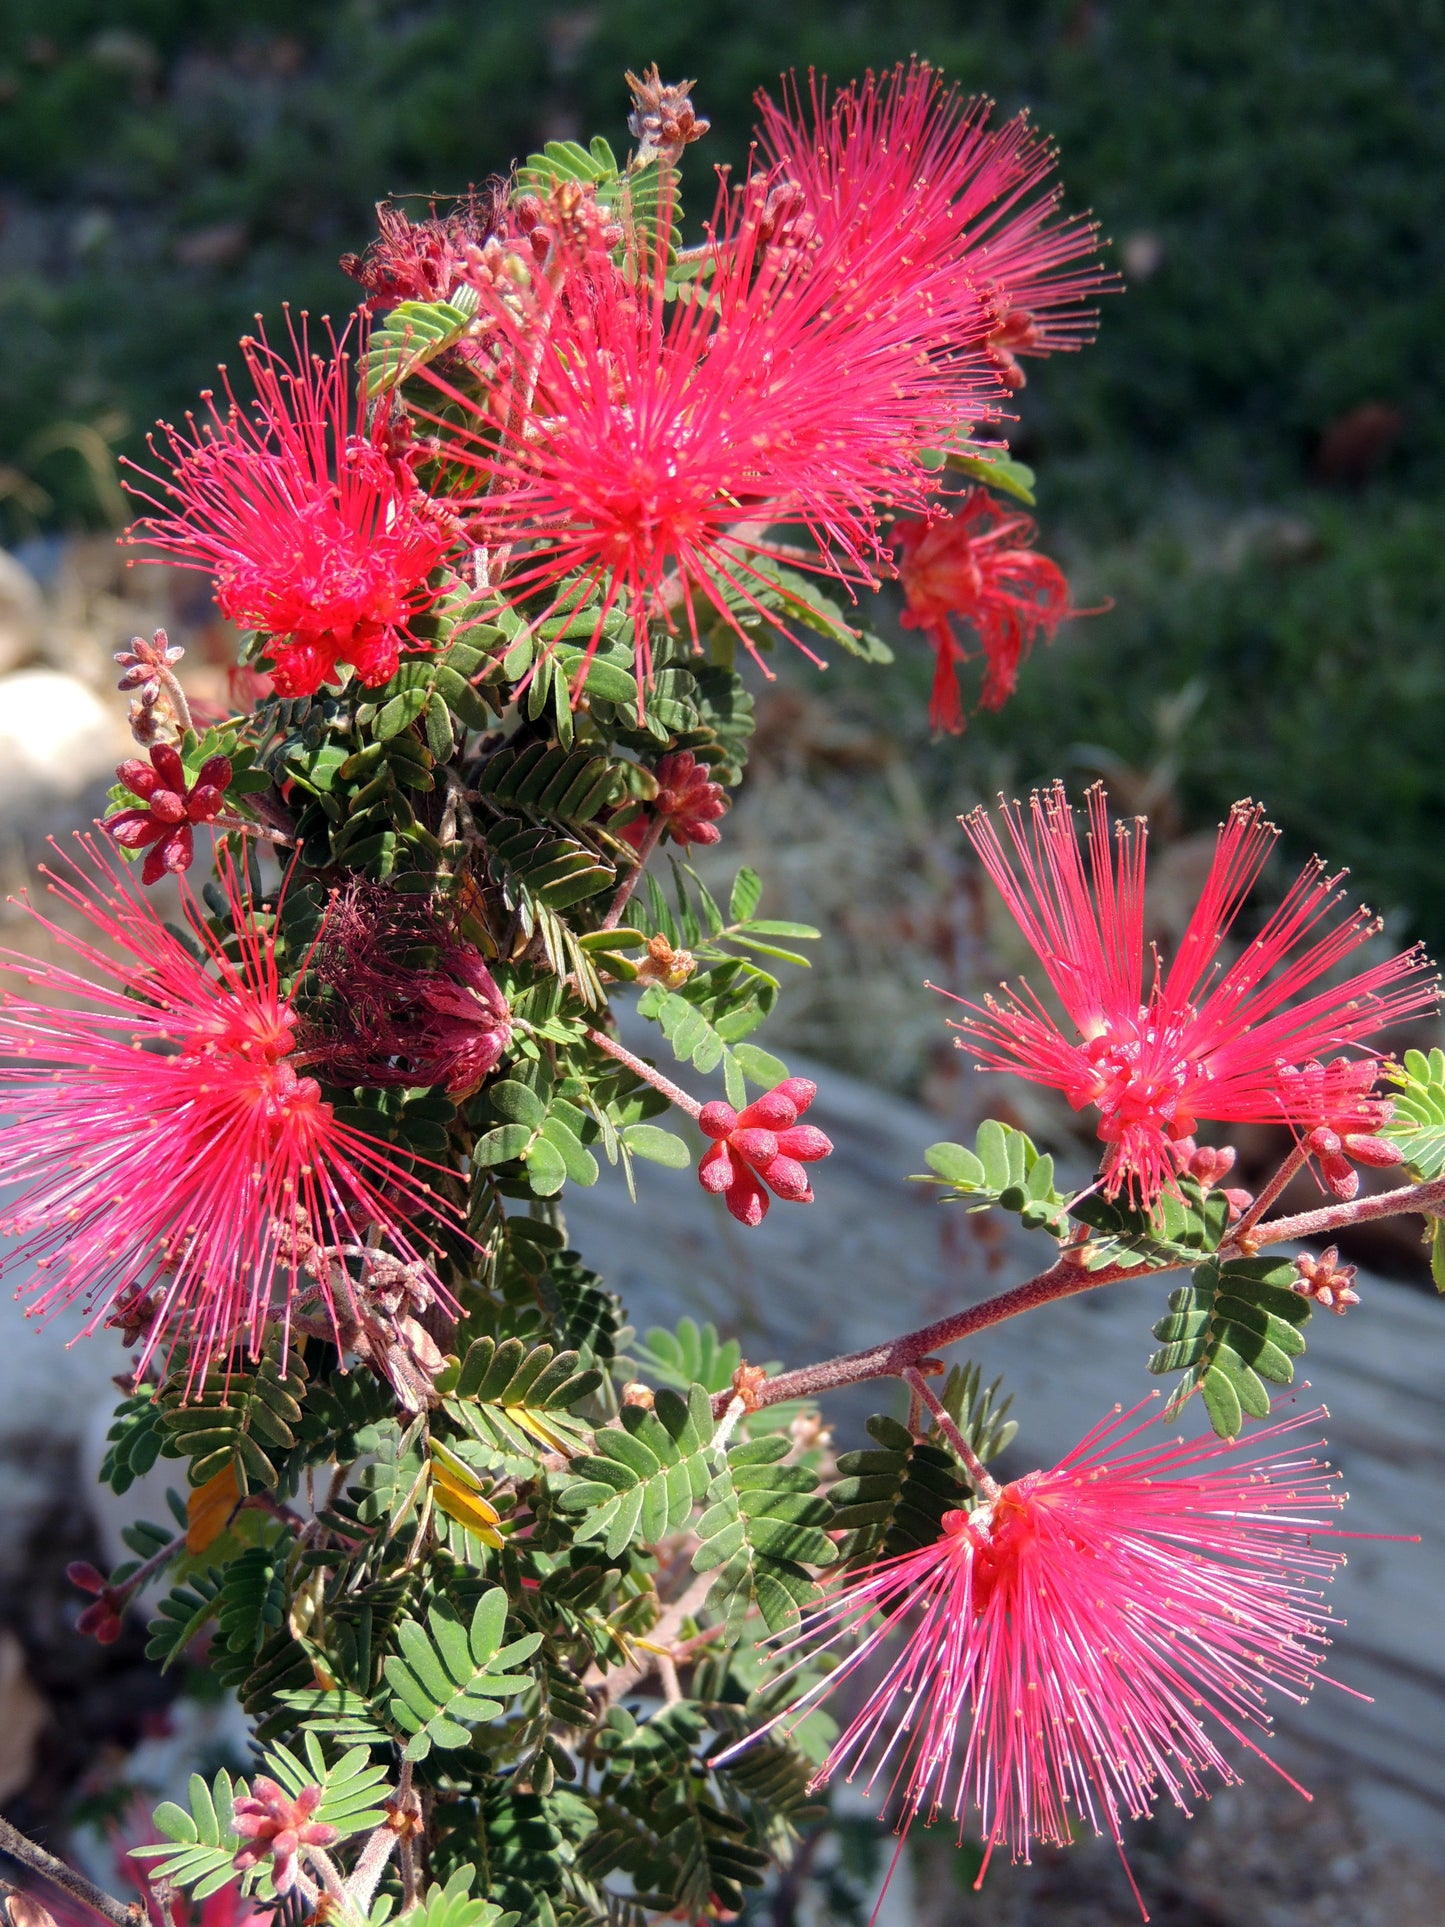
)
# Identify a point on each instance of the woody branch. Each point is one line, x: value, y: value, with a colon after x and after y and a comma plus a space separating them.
x: 911, y: 1351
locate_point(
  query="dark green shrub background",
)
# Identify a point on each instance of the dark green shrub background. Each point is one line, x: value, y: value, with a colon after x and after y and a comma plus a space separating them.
x: 171, y: 166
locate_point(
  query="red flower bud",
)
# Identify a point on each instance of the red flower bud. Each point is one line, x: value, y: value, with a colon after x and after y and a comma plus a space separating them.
x: 758, y: 1147
x: 171, y: 807
x: 762, y: 1142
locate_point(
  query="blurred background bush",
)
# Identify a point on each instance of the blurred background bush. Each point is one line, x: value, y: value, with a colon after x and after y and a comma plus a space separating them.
x: 1251, y: 462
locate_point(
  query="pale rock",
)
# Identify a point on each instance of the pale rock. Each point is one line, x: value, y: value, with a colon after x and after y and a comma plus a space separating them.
x: 22, y: 614
x: 58, y: 740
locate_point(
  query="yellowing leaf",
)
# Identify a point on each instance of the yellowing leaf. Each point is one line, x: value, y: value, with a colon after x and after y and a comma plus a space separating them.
x: 209, y: 1509
x: 457, y: 1492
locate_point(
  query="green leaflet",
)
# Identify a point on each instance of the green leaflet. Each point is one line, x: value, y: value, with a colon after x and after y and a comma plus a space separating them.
x: 513, y: 1403
x: 892, y: 1497
x: 762, y: 1527
x: 1004, y: 1168
x: 1234, y: 1326
x: 414, y: 333
x: 1418, y: 1126
x: 245, y: 1419
x: 641, y: 1482
x: 447, y: 1678
x: 1182, y: 1226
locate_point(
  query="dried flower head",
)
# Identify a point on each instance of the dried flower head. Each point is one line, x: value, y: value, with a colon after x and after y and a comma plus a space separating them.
x: 412, y: 1003
x: 663, y: 120
x: 313, y: 525
x: 425, y: 260
x: 978, y: 564
x: 1203, y: 1040
x: 163, y: 1147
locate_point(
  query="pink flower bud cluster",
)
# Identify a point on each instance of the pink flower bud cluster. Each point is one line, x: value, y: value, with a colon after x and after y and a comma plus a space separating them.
x: 763, y: 1145
x: 278, y: 1827
x: 1326, y: 1282
x: 170, y: 808
x: 1209, y: 1165
x: 100, y: 1621
x: 687, y: 805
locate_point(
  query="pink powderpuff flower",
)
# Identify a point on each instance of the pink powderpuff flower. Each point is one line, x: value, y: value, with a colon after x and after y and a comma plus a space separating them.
x: 653, y: 445
x: 905, y: 179
x: 278, y: 1828
x: 164, y: 1149
x: 308, y: 516
x: 1085, y: 1637
x: 977, y: 563
x: 170, y: 808
x: 1204, y: 1040
x: 763, y: 1145
x: 687, y: 805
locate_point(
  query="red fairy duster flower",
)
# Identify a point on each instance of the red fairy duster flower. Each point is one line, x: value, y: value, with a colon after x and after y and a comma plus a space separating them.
x: 652, y: 444
x: 687, y: 805
x: 763, y: 1145
x: 1086, y: 1637
x: 164, y: 826
x: 1203, y: 1040
x: 277, y: 1829
x: 978, y: 564
x: 905, y: 179
x: 163, y: 1149
x: 310, y: 520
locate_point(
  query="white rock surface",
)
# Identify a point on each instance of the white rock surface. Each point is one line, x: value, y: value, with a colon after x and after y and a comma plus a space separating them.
x: 22, y: 614
x: 57, y: 740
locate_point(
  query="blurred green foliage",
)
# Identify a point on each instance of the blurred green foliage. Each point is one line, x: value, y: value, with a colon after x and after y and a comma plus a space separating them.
x: 1272, y: 172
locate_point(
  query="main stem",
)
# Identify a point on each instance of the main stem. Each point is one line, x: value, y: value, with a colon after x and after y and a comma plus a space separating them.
x: 897, y: 1357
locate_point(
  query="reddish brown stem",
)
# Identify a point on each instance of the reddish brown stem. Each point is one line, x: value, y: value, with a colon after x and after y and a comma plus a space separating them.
x: 1298, y: 1157
x: 895, y: 1356
x: 1426, y: 1198
x: 674, y: 1093
x: 984, y: 1483
x: 20, y: 1847
x: 634, y: 876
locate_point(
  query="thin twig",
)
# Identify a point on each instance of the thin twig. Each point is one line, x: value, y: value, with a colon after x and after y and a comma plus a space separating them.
x: 674, y: 1093
x: 20, y: 1847
x: 894, y: 1356
x: 1425, y: 1198
x: 984, y: 1482
x: 1298, y: 1157
x: 634, y: 876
